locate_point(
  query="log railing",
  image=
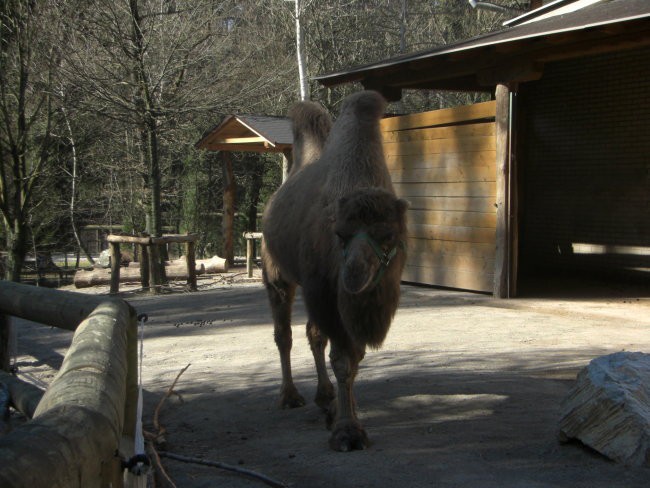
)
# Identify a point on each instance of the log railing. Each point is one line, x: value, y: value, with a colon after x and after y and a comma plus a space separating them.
x: 150, y: 257
x: 88, y: 413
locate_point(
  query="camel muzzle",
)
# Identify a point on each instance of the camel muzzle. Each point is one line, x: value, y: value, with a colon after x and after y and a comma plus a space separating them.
x: 351, y: 278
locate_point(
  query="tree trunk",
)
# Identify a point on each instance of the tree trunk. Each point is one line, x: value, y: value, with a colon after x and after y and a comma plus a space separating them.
x: 300, y: 53
x: 16, y: 239
x: 73, y: 189
x: 149, y: 137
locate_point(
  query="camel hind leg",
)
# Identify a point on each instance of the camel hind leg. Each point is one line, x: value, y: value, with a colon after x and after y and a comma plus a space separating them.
x: 281, y: 295
x: 317, y: 342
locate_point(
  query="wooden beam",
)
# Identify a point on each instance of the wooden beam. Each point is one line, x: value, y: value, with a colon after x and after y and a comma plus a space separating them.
x: 519, y: 71
x: 78, y: 424
x: 242, y: 147
x: 465, y: 113
x: 113, y: 238
x: 57, y: 308
x: 24, y: 396
x: 178, y: 238
x: 502, y: 257
x: 240, y: 140
x: 390, y: 93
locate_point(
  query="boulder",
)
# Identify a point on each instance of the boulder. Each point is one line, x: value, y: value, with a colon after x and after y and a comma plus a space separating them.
x: 608, y: 409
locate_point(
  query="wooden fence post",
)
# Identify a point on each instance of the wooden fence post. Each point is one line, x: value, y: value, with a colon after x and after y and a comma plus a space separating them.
x: 5, y: 337
x: 250, y: 247
x: 191, y: 265
x: 116, y: 261
x: 155, y: 277
x: 144, y: 266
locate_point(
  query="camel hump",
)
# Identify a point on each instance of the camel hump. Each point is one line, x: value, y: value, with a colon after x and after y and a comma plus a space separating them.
x: 364, y: 105
x: 311, y: 125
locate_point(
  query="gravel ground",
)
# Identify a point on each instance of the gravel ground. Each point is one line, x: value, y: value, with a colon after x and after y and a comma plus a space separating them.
x: 466, y: 391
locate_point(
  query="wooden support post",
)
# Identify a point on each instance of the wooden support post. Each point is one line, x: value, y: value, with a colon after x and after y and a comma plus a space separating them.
x: 144, y: 266
x: 250, y: 248
x: 249, y: 257
x: 155, y: 278
x: 116, y: 259
x: 191, y: 265
x: 5, y: 336
x: 228, y: 221
x: 502, y: 256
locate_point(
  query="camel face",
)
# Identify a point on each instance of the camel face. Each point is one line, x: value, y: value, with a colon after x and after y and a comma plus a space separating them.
x: 370, y: 226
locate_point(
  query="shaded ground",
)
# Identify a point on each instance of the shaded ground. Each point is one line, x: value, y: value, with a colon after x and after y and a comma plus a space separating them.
x: 466, y: 391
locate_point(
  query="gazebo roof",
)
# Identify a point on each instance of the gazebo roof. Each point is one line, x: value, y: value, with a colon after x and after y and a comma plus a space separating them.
x: 251, y: 133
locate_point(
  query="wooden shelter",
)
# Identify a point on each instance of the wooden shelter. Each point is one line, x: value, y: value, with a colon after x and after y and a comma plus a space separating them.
x: 252, y: 133
x: 566, y: 168
x: 245, y: 133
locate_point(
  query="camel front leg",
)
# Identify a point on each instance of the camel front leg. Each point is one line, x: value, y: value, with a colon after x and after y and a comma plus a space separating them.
x: 347, y: 432
x: 317, y: 343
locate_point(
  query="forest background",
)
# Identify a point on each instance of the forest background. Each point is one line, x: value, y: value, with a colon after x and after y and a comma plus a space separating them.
x: 101, y: 103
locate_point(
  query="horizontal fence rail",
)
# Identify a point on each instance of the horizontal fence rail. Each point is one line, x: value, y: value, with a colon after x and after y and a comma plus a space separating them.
x: 89, y: 409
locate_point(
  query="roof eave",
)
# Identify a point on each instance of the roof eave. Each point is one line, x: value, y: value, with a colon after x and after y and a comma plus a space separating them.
x: 478, y: 67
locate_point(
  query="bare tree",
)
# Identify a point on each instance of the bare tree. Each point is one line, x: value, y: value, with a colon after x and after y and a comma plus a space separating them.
x: 28, y: 67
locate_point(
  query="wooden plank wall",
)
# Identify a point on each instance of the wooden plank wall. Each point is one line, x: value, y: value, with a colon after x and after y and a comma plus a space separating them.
x: 443, y: 163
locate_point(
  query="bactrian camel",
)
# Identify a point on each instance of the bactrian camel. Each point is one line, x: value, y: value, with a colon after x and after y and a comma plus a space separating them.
x: 336, y: 229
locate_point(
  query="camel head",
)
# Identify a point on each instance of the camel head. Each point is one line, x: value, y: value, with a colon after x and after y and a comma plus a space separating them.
x: 371, y: 228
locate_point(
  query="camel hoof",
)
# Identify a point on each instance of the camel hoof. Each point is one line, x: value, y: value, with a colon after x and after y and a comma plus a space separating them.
x: 290, y: 398
x: 349, y: 437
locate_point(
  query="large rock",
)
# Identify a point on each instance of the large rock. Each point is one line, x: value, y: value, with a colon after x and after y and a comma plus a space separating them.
x: 608, y: 409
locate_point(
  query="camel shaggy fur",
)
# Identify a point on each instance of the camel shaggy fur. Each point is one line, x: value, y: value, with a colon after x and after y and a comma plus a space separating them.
x: 336, y: 229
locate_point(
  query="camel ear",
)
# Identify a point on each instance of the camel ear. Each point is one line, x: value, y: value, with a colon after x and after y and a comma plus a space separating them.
x: 402, y: 206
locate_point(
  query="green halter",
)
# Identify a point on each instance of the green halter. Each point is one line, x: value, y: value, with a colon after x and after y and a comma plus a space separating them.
x: 385, y: 257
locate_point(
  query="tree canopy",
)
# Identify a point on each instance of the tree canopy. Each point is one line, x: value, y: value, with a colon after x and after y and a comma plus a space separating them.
x: 101, y: 103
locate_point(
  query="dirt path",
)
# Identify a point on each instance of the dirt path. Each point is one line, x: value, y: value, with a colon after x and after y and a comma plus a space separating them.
x: 466, y: 391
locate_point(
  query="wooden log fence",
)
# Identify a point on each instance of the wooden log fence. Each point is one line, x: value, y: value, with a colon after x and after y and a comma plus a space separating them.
x: 150, y: 270
x: 88, y: 413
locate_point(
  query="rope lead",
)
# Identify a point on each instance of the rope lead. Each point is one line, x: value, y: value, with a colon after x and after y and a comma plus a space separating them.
x: 139, y: 464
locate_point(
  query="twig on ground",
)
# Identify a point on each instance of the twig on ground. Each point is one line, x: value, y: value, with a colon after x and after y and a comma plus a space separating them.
x: 156, y: 463
x: 227, y: 467
x: 170, y: 390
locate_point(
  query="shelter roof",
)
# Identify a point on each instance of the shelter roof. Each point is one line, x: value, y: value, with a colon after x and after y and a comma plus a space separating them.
x: 252, y: 133
x: 516, y: 53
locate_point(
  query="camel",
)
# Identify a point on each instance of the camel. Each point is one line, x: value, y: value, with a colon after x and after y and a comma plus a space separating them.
x: 335, y: 228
